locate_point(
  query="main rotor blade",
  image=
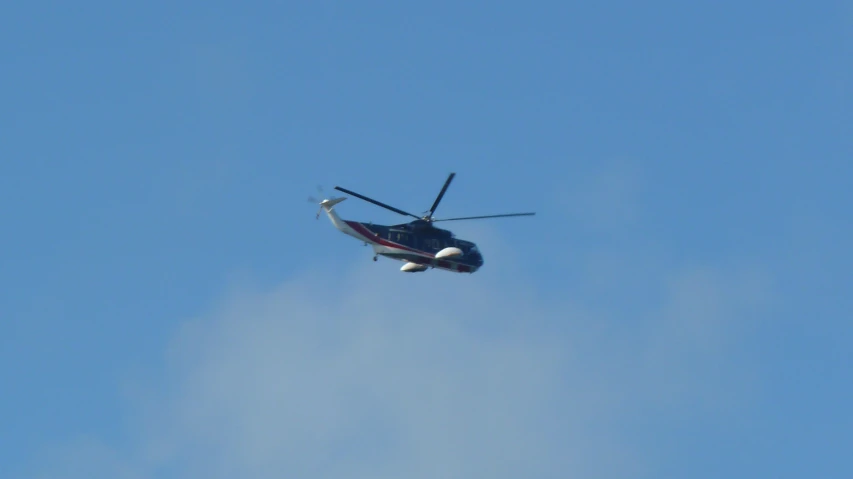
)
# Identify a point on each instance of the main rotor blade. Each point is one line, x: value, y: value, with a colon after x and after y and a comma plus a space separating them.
x: 377, y: 203
x: 441, y: 194
x: 487, y: 216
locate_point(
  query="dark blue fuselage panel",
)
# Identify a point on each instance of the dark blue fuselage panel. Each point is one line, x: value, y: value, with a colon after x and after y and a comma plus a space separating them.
x: 419, y: 235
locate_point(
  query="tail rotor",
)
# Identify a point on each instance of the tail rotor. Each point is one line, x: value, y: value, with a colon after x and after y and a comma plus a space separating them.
x: 312, y: 199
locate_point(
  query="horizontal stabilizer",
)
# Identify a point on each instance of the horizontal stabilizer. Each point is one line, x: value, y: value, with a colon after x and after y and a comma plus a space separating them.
x: 329, y: 204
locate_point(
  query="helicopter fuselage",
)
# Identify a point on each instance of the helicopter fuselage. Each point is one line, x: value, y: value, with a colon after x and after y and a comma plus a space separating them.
x: 418, y: 243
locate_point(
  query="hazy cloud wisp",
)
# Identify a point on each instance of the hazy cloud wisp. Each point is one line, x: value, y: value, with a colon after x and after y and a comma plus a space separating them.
x: 367, y: 375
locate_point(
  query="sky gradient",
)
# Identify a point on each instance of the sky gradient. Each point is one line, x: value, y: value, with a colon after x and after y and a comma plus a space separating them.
x: 679, y: 307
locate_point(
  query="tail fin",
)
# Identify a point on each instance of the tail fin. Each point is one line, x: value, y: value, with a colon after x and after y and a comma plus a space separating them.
x: 329, y: 204
x: 329, y: 207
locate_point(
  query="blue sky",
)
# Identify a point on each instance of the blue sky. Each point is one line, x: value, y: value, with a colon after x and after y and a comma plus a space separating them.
x: 679, y: 307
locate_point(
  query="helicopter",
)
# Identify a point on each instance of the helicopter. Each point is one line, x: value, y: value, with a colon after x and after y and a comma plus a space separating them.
x: 417, y: 243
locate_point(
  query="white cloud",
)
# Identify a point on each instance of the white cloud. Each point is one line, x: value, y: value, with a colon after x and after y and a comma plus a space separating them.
x: 379, y: 374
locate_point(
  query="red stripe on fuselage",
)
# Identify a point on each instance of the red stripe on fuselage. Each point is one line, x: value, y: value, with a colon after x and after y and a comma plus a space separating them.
x: 374, y: 238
